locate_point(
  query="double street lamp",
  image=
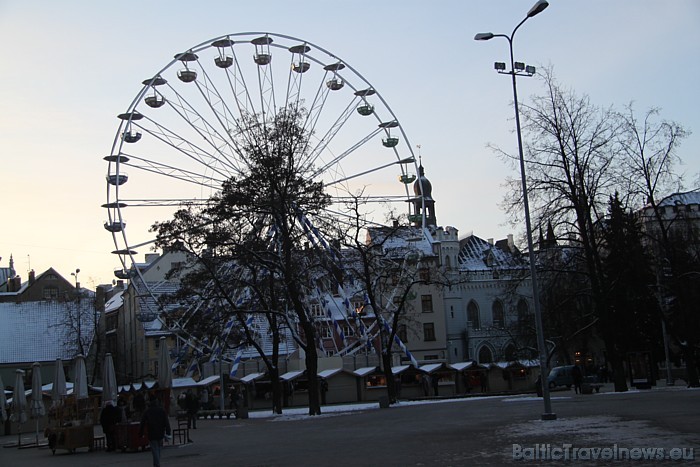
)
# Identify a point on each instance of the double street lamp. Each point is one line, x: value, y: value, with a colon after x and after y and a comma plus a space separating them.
x: 520, y: 69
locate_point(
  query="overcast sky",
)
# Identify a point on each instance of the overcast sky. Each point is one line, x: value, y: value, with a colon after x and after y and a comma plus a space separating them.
x: 69, y: 67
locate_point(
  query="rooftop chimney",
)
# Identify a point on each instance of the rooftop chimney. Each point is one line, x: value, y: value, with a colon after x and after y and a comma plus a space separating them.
x: 32, y: 277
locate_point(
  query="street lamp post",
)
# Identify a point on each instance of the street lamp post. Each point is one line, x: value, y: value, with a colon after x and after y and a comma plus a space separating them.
x: 520, y: 69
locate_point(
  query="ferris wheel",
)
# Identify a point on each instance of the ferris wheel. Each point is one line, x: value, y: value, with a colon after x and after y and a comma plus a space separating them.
x: 176, y: 143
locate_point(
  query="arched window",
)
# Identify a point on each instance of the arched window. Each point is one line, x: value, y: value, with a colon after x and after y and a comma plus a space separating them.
x: 525, y: 318
x: 485, y: 355
x: 497, y: 313
x: 447, y: 262
x: 473, y: 315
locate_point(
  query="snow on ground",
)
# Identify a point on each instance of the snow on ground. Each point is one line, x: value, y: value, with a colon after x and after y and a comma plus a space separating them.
x: 599, y: 430
x: 299, y: 413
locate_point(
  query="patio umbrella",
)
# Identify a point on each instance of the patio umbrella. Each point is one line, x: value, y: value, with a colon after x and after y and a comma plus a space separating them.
x: 58, y: 390
x: 165, y: 373
x: 36, y: 406
x: 19, y: 404
x: 80, y: 379
x: 109, y: 384
x: 3, y: 402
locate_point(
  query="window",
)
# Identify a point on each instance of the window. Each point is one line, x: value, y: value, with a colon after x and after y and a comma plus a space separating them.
x: 326, y: 332
x: 473, y: 315
x: 401, y: 332
x: 525, y: 318
x: 430, y: 357
x: 428, y: 331
x: 50, y: 293
x: 348, y: 331
x: 424, y: 275
x: 316, y: 310
x: 485, y: 355
x: 497, y: 312
x: 426, y: 302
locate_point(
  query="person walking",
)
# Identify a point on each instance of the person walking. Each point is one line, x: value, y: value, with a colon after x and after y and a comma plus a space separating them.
x: 156, y: 422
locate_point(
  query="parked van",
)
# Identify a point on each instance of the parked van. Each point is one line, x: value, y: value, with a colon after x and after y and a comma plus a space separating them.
x: 561, y: 376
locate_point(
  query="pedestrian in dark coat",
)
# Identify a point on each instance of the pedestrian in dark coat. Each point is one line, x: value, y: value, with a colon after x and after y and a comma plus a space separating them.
x: 192, y: 404
x: 109, y: 418
x: 156, y: 422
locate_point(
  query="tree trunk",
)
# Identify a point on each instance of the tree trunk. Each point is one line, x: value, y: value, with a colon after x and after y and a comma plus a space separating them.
x: 390, y: 385
x: 312, y: 374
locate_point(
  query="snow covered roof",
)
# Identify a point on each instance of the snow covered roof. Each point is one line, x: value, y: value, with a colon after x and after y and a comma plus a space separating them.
x: 476, y: 254
x: 431, y: 367
x: 459, y: 366
x: 40, y: 331
x: 366, y: 370
x: 209, y: 380
x: 252, y: 377
x: 689, y: 197
x: 329, y: 373
x: 399, y: 369
x: 399, y: 241
x: 291, y: 375
x: 115, y: 302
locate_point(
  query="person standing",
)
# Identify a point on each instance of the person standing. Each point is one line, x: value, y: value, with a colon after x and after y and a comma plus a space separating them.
x: 109, y: 418
x: 156, y: 422
x: 192, y: 404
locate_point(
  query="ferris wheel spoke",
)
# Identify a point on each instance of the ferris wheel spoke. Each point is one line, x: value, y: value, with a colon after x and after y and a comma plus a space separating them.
x: 174, y: 172
x: 335, y: 161
x: 207, y: 131
x: 164, y: 202
x: 205, y: 159
x: 342, y: 119
x: 369, y: 171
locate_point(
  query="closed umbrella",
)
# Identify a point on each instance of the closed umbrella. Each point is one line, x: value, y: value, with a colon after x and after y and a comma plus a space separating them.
x: 58, y: 389
x: 165, y: 373
x: 36, y: 406
x: 19, y: 404
x: 3, y: 402
x: 109, y: 385
x: 80, y: 380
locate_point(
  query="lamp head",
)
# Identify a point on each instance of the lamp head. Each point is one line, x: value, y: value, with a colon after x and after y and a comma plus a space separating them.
x: 483, y: 36
x: 537, y: 8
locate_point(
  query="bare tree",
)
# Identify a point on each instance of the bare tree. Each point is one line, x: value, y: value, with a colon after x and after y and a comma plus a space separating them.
x: 571, y: 169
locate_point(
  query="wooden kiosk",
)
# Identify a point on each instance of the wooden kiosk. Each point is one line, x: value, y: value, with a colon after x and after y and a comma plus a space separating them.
x: 71, y: 425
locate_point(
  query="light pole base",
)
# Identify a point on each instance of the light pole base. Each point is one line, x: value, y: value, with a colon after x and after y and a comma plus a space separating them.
x: 549, y: 416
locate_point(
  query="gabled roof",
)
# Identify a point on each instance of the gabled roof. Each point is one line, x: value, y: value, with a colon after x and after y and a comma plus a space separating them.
x: 39, y: 331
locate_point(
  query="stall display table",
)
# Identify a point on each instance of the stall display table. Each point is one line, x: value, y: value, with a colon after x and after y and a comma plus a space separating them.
x: 128, y: 437
x: 70, y: 437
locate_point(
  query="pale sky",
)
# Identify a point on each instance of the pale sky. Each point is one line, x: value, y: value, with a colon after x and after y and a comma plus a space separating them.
x: 69, y: 67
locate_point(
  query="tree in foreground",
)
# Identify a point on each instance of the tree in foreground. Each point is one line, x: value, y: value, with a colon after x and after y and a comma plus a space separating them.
x: 249, y: 240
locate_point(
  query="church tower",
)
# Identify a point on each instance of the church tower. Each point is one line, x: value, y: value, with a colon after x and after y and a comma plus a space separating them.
x: 423, y: 190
